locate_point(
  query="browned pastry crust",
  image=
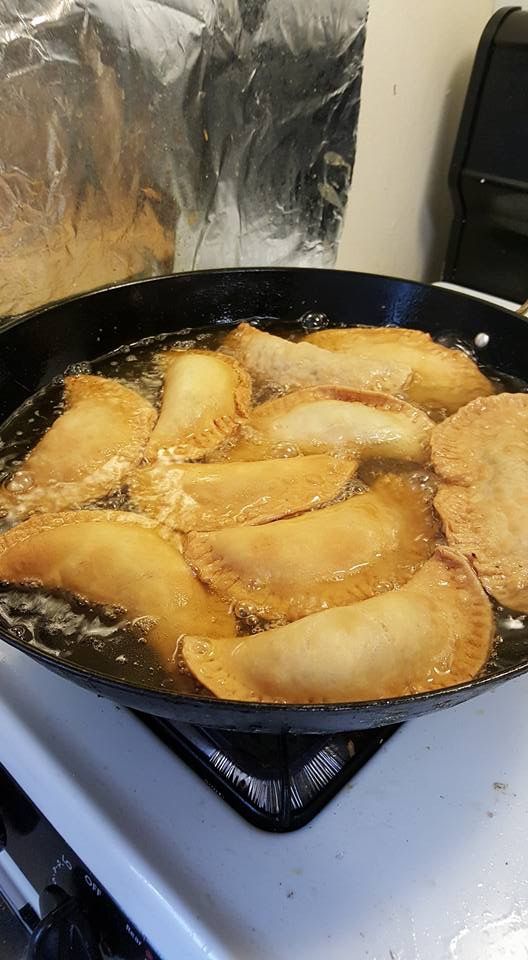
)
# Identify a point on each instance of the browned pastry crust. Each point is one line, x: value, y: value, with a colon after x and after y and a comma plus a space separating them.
x: 87, y: 451
x: 442, y: 377
x: 272, y: 360
x: 434, y: 632
x: 120, y: 559
x: 481, y: 455
x: 330, y: 557
x: 206, y: 396
x: 199, y: 496
x: 361, y: 424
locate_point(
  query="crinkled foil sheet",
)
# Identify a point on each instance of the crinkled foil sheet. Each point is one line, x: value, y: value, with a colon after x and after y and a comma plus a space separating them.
x: 139, y: 137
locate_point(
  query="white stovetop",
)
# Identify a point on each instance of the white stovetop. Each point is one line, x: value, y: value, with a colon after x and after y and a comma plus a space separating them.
x: 424, y: 856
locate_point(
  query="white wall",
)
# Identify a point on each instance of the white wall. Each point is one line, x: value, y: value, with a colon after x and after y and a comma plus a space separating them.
x: 417, y: 61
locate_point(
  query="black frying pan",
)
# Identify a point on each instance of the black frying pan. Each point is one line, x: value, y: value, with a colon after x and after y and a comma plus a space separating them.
x: 41, y: 345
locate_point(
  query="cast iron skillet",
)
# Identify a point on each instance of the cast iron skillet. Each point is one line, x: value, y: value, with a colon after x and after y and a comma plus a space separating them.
x: 41, y: 345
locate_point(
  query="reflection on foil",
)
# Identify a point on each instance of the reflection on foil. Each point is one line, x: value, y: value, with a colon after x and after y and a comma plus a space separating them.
x: 151, y: 135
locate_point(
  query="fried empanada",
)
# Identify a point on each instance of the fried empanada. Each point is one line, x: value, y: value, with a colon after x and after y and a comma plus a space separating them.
x: 119, y: 559
x: 333, y: 419
x: 205, y: 398
x: 443, y: 377
x: 329, y: 557
x: 86, y: 452
x: 275, y: 361
x: 195, y: 496
x: 481, y: 454
x: 434, y: 632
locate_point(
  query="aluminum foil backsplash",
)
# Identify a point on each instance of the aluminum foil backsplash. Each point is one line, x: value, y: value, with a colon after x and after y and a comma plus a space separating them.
x: 139, y: 137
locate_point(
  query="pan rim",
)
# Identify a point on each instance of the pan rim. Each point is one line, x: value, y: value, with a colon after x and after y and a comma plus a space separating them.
x: 10, y: 322
x: 187, y: 700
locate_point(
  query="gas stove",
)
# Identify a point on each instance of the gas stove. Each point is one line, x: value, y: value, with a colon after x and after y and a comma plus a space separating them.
x: 422, y: 854
x: 115, y: 845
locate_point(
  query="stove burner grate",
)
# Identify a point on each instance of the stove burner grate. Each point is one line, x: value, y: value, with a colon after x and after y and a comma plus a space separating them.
x: 276, y: 782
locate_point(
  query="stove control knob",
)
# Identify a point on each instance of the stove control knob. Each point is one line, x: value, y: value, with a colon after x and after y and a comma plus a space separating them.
x: 64, y: 930
x: 52, y: 897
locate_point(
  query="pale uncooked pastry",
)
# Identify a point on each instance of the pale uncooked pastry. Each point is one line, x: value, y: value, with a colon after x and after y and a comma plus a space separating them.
x: 434, y: 632
x: 120, y: 559
x: 206, y: 396
x: 481, y: 455
x: 443, y: 377
x: 362, y: 424
x: 86, y: 452
x: 330, y: 557
x: 196, y: 496
x: 272, y: 360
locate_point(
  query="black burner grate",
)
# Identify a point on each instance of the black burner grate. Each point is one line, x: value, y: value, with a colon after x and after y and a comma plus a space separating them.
x: 277, y: 783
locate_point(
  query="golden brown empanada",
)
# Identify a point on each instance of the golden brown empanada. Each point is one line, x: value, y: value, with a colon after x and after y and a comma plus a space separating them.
x: 196, y: 496
x: 333, y: 419
x: 86, y: 452
x: 481, y: 454
x: 434, y: 632
x: 119, y: 559
x: 330, y: 557
x: 205, y: 398
x: 443, y: 377
x: 275, y: 361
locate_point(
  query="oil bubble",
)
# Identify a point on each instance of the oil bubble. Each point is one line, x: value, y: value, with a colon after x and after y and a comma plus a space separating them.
x: 312, y: 321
